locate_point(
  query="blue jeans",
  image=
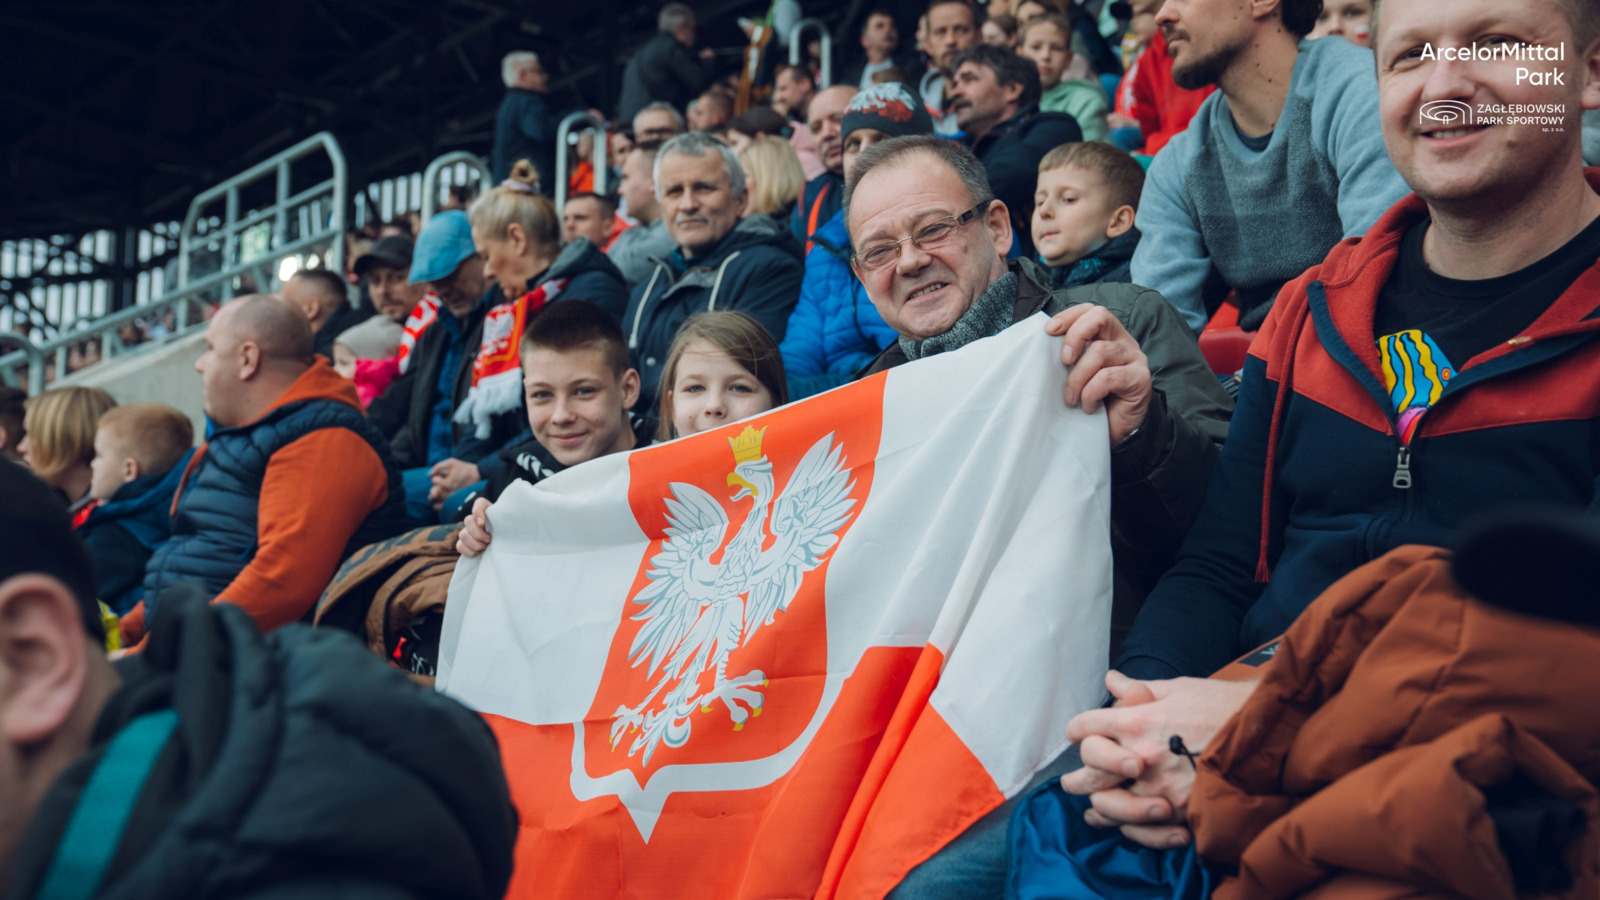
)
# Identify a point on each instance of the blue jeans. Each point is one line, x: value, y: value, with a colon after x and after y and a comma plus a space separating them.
x: 973, y: 866
x: 451, y: 510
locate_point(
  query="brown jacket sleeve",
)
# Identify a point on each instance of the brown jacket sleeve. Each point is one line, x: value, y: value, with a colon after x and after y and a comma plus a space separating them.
x: 315, y: 494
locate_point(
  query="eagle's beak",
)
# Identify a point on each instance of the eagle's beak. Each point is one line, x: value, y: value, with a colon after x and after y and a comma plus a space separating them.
x: 734, y: 478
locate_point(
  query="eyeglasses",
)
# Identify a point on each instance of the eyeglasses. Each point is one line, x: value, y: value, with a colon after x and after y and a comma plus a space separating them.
x: 931, y: 236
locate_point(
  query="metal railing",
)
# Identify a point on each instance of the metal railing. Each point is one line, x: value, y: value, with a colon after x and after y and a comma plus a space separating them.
x: 35, y: 357
x: 430, y: 178
x: 600, y: 160
x: 797, y: 47
x: 313, y: 226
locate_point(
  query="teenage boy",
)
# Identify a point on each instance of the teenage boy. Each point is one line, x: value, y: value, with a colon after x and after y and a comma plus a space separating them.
x: 1083, y: 213
x: 139, y: 451
x: 579, y: 390
x: 1047, y: 41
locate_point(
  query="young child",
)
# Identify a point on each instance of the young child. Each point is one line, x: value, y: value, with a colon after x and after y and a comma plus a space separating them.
x: 1000, y: 29
x: 1349, y: 19
x: 368, y: 354
x: 1083, y: 213
x: 1047, y: 40
x: 722, y: 367
x: 579, y: 391
x: 140, y: 452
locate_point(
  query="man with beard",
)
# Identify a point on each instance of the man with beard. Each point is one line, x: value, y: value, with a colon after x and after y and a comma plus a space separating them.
x: 1283, y: 162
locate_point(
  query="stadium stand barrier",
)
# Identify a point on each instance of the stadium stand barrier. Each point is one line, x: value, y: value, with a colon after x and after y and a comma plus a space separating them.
x: 565, y: 135
x: 797, y: 46
x: 432, y: 177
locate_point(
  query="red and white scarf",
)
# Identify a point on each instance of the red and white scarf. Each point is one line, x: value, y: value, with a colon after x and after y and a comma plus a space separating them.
x: 497, y: 370
x: 425, y: 313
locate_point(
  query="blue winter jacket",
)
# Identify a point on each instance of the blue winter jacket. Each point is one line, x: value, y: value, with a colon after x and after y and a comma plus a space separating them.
x: 835, y: 330
x: 123, y: 532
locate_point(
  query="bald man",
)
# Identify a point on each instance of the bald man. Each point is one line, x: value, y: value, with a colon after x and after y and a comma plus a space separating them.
x: 322, y: 296
x: 820, y: 200
x: 291, y: 481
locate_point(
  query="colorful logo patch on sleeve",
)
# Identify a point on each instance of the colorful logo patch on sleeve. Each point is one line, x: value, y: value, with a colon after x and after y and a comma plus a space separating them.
x: 1415, y: 371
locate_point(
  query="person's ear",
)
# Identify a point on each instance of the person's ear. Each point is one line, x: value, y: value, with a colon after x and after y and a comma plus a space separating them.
x: 1121, y: 221
x: 1260, y: 9
x: 131, y: 469
x: 5, y: 439
x: 44, y: 655
x: 1012, y: 92
x: 1591, y: 77
x: 249, y: 359
x: 630, y: 388
x: 517, y: 238
x: 998, y: 218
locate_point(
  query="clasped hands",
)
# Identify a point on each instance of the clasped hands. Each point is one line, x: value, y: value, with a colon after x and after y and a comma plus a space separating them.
x: 1132, y: 777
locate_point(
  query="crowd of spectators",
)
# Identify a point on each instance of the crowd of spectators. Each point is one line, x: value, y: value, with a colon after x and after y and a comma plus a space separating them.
x: 1420, y: 296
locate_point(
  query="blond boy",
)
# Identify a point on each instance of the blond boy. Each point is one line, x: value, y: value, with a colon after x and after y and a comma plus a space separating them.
x: 1083, y: 213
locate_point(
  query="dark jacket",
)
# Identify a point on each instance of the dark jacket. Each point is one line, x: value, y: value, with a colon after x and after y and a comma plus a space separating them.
x: 525, y: 459
x: 819, y: 202
x: 292, y: 765
x: 250, y: 534
x: 1314, y: 480
x: 1112, y: 262
x: 591, y: 275
x: 122, y: 533
x: 1157, y: 475
x: 525, y: 129
x: 663, y: 69
x: 1010, y: 155
x: 346, y: 316
x: 410, y: 443
x: 756, y: 269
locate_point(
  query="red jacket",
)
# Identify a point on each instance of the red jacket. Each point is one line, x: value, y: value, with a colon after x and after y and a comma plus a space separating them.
x: 1163, y: 108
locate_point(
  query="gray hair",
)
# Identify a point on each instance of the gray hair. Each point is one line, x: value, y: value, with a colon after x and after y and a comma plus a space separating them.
x: 672, y: 15
x: 697, y: 144
x: 959, y: 158
x: 660, y: 104
x: 513, y: 64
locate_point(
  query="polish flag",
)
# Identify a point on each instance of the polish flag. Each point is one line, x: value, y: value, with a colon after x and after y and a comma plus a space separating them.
x: 795, y: 656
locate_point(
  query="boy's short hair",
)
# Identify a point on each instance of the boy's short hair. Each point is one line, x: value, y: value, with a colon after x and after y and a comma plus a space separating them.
x: 891, y: 75
x: 1062, y: 24
x: 608, y: 206
x: 1122, y: 174
x: 155, y: 434
x: 574, y: 324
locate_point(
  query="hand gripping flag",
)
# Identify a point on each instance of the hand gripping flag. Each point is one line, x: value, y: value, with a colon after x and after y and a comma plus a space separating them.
x: 794, y: 656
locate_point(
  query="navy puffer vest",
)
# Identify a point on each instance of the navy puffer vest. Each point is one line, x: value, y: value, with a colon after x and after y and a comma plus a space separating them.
x: 214, y: 528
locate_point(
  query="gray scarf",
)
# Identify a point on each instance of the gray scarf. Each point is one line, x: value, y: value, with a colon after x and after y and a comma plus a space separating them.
x: 989, y: 315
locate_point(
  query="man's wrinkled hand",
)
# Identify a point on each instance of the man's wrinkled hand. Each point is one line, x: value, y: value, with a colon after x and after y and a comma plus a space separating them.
x: 1132, y: 778
x: 1107, y: 367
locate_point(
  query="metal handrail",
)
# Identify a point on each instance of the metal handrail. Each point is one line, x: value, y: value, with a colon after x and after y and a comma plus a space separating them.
x: 104, y: 329
x: 36, y: 360
x: 228, y: 190
x: 601, y: 164
x: 430, y: 178
x: 797, y: 46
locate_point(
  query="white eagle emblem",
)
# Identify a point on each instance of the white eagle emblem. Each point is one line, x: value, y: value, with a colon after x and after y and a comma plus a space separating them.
x: 697, y: 612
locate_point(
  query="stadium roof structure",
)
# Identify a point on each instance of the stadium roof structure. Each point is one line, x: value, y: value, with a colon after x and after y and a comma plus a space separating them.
x: 120, y: 112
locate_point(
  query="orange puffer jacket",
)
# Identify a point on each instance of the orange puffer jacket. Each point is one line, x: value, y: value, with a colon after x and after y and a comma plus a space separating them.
x: 1358, y: 768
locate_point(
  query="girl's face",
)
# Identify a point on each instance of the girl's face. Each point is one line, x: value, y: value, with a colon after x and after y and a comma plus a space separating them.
x: 711, y: 389
x: 1349, y: 19
x: 1049, y: 50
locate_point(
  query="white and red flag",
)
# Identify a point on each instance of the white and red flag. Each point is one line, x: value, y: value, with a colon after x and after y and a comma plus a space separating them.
x: 795, y: 656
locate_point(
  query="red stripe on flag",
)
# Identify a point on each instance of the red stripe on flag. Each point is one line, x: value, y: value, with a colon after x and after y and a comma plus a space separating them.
x: 883, y: 784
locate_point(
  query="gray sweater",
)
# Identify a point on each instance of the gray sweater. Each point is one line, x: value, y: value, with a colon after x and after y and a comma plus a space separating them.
x: 1217, y: 214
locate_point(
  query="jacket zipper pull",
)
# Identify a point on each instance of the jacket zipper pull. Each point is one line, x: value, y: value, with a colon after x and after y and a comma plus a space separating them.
x: 1402, y: 469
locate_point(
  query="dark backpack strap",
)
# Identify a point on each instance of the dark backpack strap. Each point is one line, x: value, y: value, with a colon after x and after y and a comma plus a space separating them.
x: 92, y: 834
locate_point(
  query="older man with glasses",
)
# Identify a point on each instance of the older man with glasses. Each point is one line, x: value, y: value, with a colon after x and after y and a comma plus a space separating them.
x: 930, y: 241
